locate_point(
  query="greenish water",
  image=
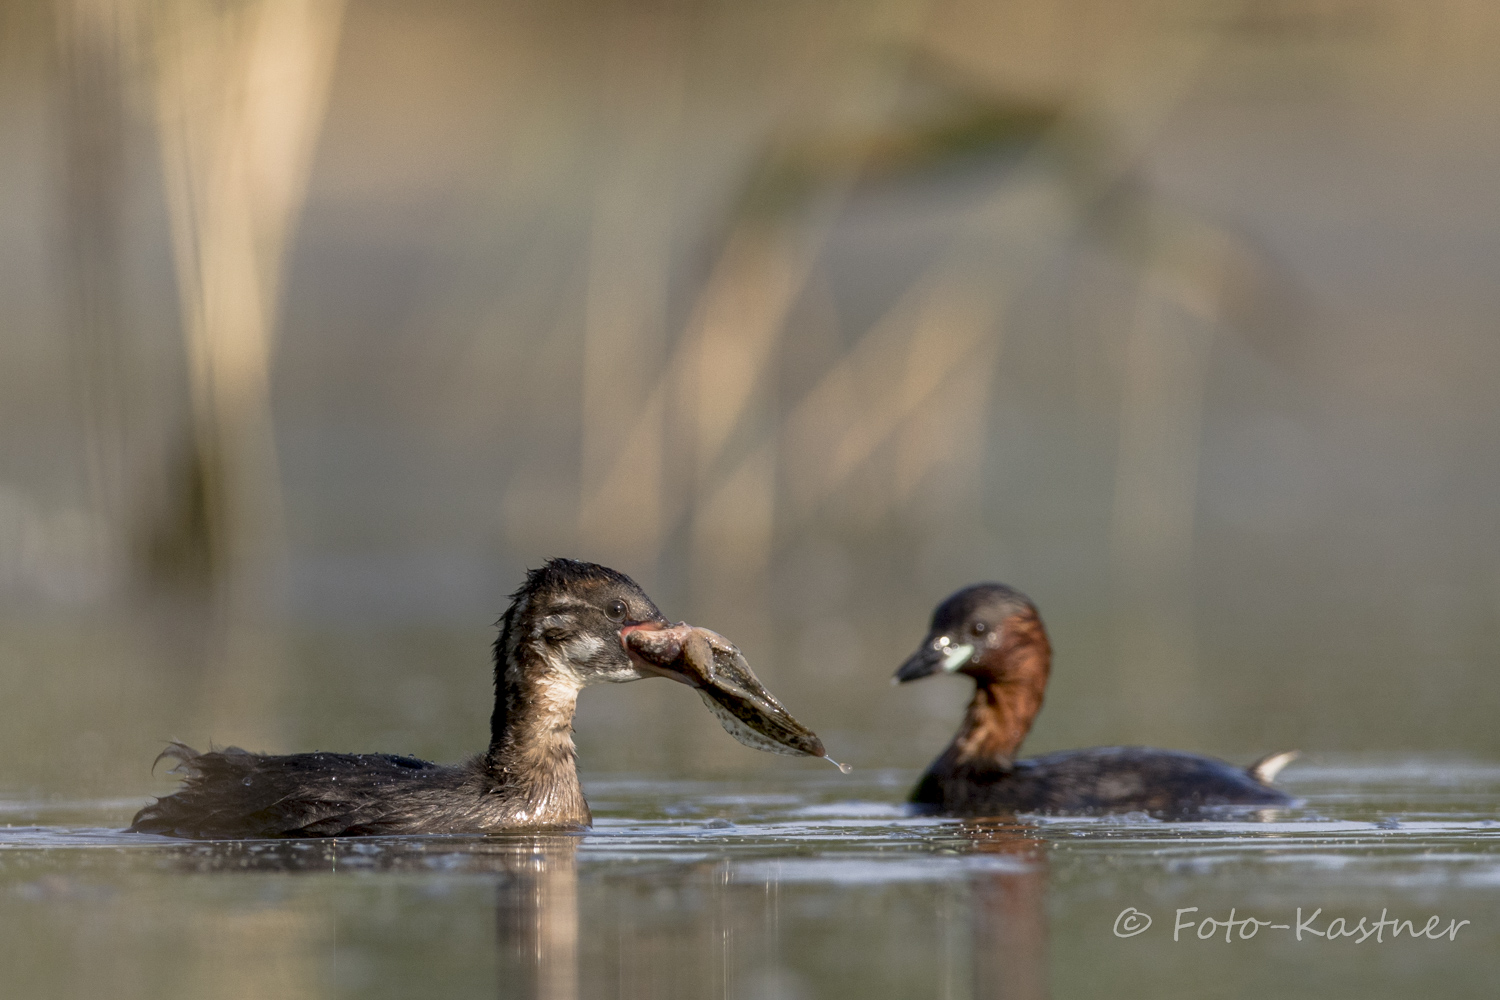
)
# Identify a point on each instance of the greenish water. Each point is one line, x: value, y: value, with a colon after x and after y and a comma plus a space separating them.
x: 810, y: 886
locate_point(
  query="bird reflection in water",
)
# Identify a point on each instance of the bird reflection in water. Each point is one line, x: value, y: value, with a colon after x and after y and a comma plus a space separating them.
x: 704, y: 926
x: 1009, y: 912
x: 536, y: 918
x: 535, y: 875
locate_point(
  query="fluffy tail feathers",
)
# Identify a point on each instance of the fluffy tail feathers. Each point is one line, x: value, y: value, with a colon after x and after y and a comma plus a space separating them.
x: 1268, y: 767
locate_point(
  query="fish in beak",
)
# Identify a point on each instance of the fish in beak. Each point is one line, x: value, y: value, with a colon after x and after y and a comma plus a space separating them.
x: 714, y: 666
x: 939, y: 654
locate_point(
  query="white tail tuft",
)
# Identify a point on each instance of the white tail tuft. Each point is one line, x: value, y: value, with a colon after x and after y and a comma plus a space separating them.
x: 1268, y: 767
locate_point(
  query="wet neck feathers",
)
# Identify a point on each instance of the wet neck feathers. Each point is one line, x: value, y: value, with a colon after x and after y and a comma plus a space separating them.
x: 531, y: 740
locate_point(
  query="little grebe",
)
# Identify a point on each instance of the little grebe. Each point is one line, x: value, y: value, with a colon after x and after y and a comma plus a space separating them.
x: 993, y: 633
x: 570, y: 625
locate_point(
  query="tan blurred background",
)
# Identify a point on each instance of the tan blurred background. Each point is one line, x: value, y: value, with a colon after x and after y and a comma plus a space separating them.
x: 321, y: 322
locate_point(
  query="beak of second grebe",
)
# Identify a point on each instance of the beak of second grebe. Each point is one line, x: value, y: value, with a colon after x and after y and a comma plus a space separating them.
x: 939, y: 654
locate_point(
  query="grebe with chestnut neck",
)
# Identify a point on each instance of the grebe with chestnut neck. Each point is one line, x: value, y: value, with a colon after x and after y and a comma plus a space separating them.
x: 570, y: 625
x: 993, y: 634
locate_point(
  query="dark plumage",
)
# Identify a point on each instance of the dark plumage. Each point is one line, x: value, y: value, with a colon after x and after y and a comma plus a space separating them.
x: 564, y: 629
x: 993, y: 634
x: 232, y: 793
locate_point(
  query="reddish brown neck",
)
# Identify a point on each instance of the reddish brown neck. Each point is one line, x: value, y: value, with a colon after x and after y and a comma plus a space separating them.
x: 997, y: 722
x: 1006, y: 698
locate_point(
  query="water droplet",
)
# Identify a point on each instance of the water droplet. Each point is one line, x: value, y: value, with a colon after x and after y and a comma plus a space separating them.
x: 845, y: 768
x: 246, y: 782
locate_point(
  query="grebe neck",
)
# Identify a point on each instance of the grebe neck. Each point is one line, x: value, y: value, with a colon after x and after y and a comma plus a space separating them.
x: 997, y: 721
x: 531, y: 730
x: 1006, y: 700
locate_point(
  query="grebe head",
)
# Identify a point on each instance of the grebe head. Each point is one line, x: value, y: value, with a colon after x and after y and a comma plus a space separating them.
x: 990, y: 632
x: 574, y: 616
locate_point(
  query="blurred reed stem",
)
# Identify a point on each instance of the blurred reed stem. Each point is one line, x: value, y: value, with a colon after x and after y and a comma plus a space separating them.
x: 240, y: 94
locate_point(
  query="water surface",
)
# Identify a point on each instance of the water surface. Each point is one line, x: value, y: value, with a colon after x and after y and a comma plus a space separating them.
x: 817, y: 887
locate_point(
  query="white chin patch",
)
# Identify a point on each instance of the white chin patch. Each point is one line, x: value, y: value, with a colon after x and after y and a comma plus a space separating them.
x: 582, y: 648
x: 957, y: 657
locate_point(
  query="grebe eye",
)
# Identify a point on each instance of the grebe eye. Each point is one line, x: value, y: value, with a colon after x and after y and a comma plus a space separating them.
x: 616, y: 610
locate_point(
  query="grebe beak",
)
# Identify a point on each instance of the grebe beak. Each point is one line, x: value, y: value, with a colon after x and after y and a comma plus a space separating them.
x: 939, y: 654
x: 655, y: 647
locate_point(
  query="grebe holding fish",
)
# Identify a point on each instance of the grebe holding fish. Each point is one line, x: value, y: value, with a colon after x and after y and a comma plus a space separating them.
x: 570, y: 625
